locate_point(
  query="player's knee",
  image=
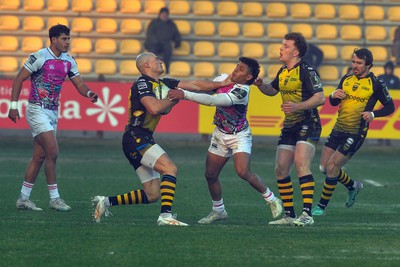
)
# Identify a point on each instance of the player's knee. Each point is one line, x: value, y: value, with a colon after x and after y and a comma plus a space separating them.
x: 301, y: 167
x: 210, y: 176
x: 171, y: 169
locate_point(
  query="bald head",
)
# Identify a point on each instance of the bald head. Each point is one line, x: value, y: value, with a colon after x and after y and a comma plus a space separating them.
x: 142, y: 59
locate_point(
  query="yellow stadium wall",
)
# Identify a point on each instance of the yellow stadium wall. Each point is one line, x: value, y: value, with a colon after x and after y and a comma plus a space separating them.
x: 266, y: 118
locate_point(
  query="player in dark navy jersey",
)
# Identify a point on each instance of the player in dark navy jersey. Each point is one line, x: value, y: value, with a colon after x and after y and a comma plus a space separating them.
x: 148, y: 159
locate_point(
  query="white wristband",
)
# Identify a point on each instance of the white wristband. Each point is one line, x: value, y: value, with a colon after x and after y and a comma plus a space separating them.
x: 332, y: 94
x: 373, y: 115
x: 14, y: 105
x: 88, y: 93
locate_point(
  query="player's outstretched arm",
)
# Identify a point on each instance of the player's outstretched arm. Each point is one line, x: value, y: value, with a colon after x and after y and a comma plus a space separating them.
x: 265, y: 88
x: 204, y: 85
x: 222, y: 100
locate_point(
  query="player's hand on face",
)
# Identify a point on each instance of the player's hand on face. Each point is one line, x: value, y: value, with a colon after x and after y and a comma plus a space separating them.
x: 94, y: 97
x: 175, y: 94
x: 289, y: 107
x: 258, y: 81
x: 13, y: 114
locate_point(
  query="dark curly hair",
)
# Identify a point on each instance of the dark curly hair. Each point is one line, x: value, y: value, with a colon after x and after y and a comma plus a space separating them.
x: 254, y: 68
x: 299, y: 42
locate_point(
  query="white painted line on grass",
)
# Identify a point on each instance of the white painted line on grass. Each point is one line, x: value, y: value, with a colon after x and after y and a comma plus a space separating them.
x: 373, y: 183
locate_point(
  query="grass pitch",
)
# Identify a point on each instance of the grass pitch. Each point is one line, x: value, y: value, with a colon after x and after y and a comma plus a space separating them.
x: 368, y: 234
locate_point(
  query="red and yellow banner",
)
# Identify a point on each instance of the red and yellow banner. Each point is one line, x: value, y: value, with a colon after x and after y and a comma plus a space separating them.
x: 110, y: 112
x: 266, y: 118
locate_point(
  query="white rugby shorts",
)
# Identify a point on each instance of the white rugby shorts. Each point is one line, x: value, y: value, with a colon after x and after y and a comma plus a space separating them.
x: 225, y: 145
x: 41, y: 120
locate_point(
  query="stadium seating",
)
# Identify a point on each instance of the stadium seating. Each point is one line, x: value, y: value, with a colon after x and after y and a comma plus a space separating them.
x: 84, y: 65
x: 325, y: 11
x: 106, y: 6
x: 326, y: 32
x: 10, y: 4
x: 351, y: 32
x: 130, y: 47
x: 81, y: 45
x: 228, y: 29
x: 228, y: 50
x: 303, y: 28
x: 179, y: 8
x: 277, y: 30
x: 180, y: 69
x: 300, y: 11
x: 203, y: 8
x: 273, y: 70
x: 33, y: 5
x: 183, y: 50
x: 253, y: 29
x: 82, y: 6
x: 273, y: 51
x: 252, y: 9
x: 184, y: 27
x: 105, y: 67
x: 328, y: 73
x: 131, y: 26
x: 375, y: 33
x: 330, y: 51
x: 204, y: 70
x: 8, y: 44
x: 380, y: 53
x: 349, y: 12
x: 9, y: 23
x: 374, y: 13
x: 203, y: 49
x: 347, y: 52
x: 253, y: 50
x: 128, y: 68
x: 204, y: 28
x: 106, y: 25
x: 33, y: 23
x: 105, y: 46
x: 57, y: 20
x: 8, y: 64
x: 226, y: 8
x: 130, y: 7
x: 57, y: 5
x: 81, y: 25
x: 393, y: 13
x: 276, y: 10
x: 226, y: 68
x: 31, y: 44
x: 153, y: 7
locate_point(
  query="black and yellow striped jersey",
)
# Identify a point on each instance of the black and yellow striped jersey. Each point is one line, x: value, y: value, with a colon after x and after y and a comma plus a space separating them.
x: 298, y: 85
x: 361, y: 95
x: 138, y: 117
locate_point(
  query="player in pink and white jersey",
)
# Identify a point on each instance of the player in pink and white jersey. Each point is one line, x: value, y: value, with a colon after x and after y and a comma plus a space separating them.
x: 231, y: 136
x: 47, y: 69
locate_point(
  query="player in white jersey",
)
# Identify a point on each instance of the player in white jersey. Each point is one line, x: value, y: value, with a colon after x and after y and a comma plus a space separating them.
x: 47, y: 69
x: 231, y: 137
